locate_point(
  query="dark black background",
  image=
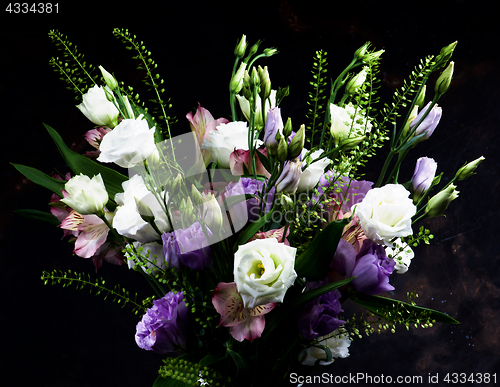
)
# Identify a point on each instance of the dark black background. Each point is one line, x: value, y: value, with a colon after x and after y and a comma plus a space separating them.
x: 64, y: 337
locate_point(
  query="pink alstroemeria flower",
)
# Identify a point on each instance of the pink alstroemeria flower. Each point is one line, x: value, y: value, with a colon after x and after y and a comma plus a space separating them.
x: 244, y: 323
x: 277, y: 233
x: 92, y: 232
x: 201, y: 124
x: 94, y: 138
x: 239, y: 157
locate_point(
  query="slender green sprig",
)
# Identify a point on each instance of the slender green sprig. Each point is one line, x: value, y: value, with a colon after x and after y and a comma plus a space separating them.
x: 119, y: 294
x: 152, y: 79
x: 317, y: 97
x: 189, y: 373
x: 72, y: 68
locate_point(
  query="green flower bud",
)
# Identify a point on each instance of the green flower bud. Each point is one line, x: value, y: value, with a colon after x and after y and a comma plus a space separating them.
x: 356, y: 82
x: 439, y: 202
x: 282, y: 149
x: 444, y: 80
x: 176, y: 185
x: 351, y: 142
x: 241, y: 47
x: 252, y: 51
x: 270, y: 52
x: 421, y: 97
x: 265, y: 81
x: 237, y: 80
x: 360, y: 52
x: 111, y: 82
x: 372, y: 56
x: 468, y: 169
x: 445, y: 55
x: 196, y: 195
x: 297, y: 143
x: 287, y: 130
x: 254, y: 78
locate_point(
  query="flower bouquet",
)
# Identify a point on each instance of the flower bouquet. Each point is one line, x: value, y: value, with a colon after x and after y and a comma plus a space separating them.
x: 254, y: 233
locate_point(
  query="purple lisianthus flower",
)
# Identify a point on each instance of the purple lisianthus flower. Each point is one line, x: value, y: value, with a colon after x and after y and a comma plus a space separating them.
x: 351, y: 191
x: 188, y: 247
x: 319, y: 316
x: 241, y: 212
x: 429, y: 123
x: 163, y: 328
x: 425, y: 170
x: 274, y: 125
x: 370, y: 266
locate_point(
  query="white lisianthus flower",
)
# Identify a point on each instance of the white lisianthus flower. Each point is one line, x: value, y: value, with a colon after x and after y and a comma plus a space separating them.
x: 128, y: 221
x: 311, y: 175
x: 222, y: 141
x: 263, y: 271
x: 385, y: 213
x: 338, y: 344
x: 128, y: 144
x: 402, y: 256
x: 348, y: 122
x: 86, y: 196
x: 96, y: 107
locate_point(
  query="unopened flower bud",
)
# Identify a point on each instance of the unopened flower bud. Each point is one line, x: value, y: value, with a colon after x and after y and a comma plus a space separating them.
x: 237, y: 80
x: 241, y: 47
x: 444, y: 80
x: 212, y: 214
x: 287, y: 131
x: 297, y: 143
x: 252, y: 51
x: 197, y: 197
x: 360, y: 52
x: 350, y: 142
x: 282, y: 149
x: 423, y: 177
x: 265, y: 82
x: 111, y: 82
x: 445, y: 55
x: 411, y: 118
x: 176, y: 185
x: 270, y: 52
x: 356, y: 82
x: 468, y: 169
x: 254, y: 78
x: 439, y: 202
x: 372, y: 56
x: 421, y: 97
x: 288, y: 181
x: 429, y: 123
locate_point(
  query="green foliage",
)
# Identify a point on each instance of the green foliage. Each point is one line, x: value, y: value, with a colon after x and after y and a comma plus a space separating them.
x: 152, y: 79
x: 80, y: 280
x: 179, y: 372
x: 317, y: 97
x: 424, y: 235
x: 72, y: 68
x: 405, y: 93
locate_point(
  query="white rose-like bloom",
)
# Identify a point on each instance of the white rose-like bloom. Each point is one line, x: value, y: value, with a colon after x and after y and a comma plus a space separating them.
x: 222, y: 141
x: 128, y: 144
x: 311, y: 175
x: 86, y: 196
x: 128, y: 221
x: 263, y: 271
x: 96, y: 107
x: 385, y: 213
x: 338, y: 344
x: 402, y: 257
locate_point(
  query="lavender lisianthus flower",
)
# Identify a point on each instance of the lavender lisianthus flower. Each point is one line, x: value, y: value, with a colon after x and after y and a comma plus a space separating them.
x: 319, y: 316
x: 250, y: 210
x: 163, y: 328
x: 188, y: 247
x: 425, y: 170
x: 429, y: 123
x: 370, y: 266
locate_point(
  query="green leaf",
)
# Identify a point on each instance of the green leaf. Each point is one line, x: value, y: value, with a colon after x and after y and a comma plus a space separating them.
x: 253, y: 228
x: 208, y: 360
x: 314, y: 261
x: 39, y: 216
x: 241, y: 363
x: 386, y: 307
x: 40, y: 178
x: 80, y: 164
x: 264, y: 160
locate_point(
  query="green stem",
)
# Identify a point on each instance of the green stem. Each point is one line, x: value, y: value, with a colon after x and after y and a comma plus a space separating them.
x: 384, y: 168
